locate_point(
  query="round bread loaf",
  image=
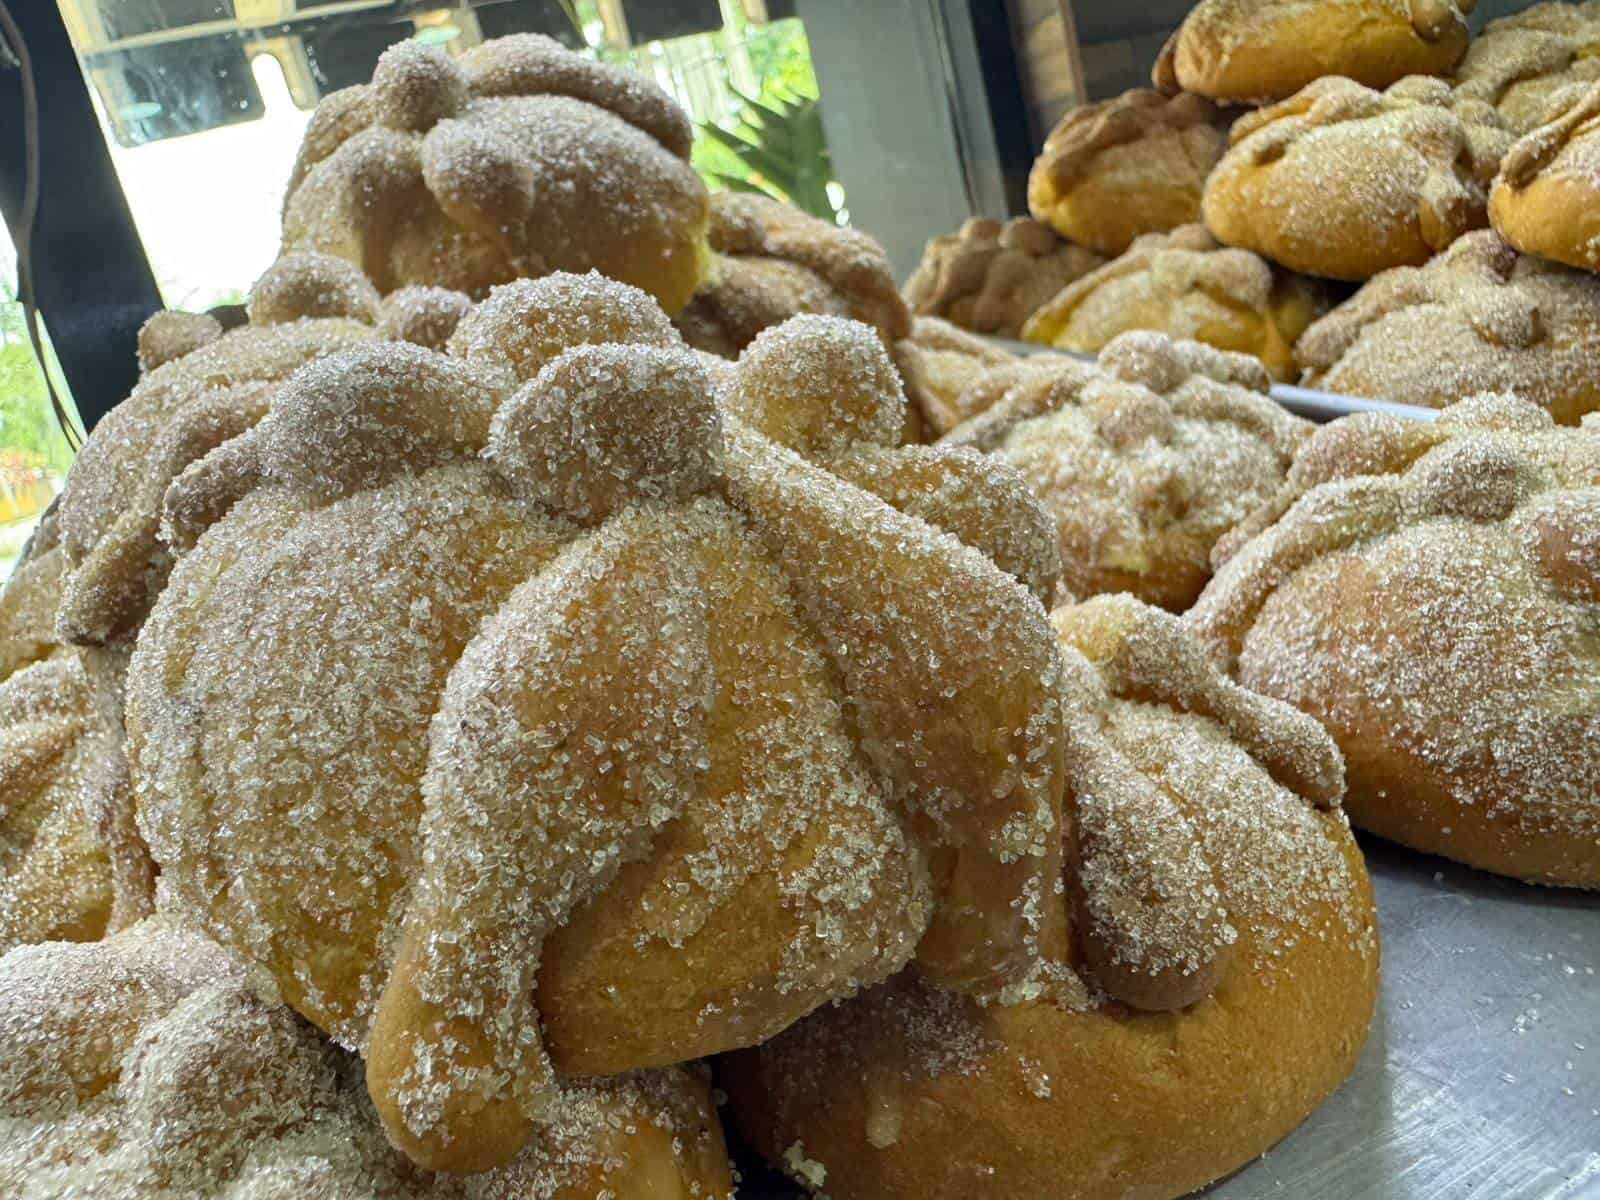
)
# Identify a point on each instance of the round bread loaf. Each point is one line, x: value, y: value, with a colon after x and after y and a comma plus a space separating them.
x: 1223, y: 976
x: 990, y: 277
x: 1430, y: 593
x: 1128, y: 166
x: 1521, y: 62
x: 939, y: 363
x: 638, y: 732
x: 1259, y: 51
x: 772, y: 262
x: 151, y: 1066
x: 1478, y: 318
x: 1547, y: 198
x: 514, y: 160
x: 1189, y: 286
x: 1143, y: 460
x: 1345, y: 182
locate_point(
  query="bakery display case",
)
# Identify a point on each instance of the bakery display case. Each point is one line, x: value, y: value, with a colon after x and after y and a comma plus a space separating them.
x: 625, y: 599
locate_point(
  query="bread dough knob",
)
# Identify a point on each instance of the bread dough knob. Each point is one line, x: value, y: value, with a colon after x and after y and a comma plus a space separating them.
x: 607, y: 426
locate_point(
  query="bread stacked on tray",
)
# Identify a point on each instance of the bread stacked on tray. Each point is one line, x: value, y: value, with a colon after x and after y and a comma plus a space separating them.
x: 1294, y: 148
x: 514, y: 724
x: 443, y: 711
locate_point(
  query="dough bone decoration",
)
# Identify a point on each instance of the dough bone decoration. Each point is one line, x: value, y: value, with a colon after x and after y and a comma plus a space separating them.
x: 1223, y: 927
x: 1429, y: 592
x: 514, y: 160
x: 579, y: 626
x: 638, y: 733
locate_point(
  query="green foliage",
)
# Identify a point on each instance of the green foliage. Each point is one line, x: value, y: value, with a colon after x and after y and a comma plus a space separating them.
x: 27, y: 422
x: 777, y: 148
x: 780, y: 56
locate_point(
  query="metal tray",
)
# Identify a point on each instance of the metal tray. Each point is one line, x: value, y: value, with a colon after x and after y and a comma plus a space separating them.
x: 1480, y: 1079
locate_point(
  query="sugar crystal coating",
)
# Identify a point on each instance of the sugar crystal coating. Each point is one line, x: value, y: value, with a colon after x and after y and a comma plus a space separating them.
x: 1519, y: 63
x: 1478, y: 318
x: 1427, y: 592
x: 1135, y: 164
x: 991, y: 277
x: 1259, y: 51
x: 154, y: 1066
x: 1187, y: 285
x: 1343, y: 181
x: 939, y: 363
x: 1222, y: 924
x: 1143, y: 461
x: 772, y: 262
x: 635, y: 735
x: 514, y: 160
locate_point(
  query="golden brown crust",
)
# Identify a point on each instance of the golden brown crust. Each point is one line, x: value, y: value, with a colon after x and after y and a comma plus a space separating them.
x: 1076, y: 1094
x: 990, y: 277
x: 168, y: 335
x: 1521, y: 62
x: 1345, y: 182
x: 1132, y: 165
x: 775, y: 262
x: 515, y: 160
x: 1544, y: 201
x: 637, y: 744
x: 1478, y: 318
x: 1259, y: 51
x: 1187, y: 285
x: 1144, y: 461
x: 1469, y: 715
x: 304, y: 306
x: 938, y: 364
x: 71, y: 864
x: 152, y: 1065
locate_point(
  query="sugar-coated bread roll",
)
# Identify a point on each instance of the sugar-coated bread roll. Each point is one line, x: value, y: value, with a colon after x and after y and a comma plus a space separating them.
x: 1258, y: 51
x: 1521, y: 62
x: 939, y: 364
x: 1342, y: 181
x: 1222, y: 976
x: 1132, y: 165
x: 516, y: 159
x: 638, y: 731
x: 71, y: 864
x: 1479, y: 318
x: 1190, y: 286
x: 772, y: 262
x: 1547, y: 198
x: 1430, y: 593
x: 154, y: 1066
x: 1143, y: 460
x: 199, y: 388
x: 990, y: 276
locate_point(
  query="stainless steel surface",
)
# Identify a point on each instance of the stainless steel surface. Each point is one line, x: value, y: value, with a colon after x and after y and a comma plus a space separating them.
x: 1480, y: 1079
x: 1308, y: 402
x: 1326, y: 406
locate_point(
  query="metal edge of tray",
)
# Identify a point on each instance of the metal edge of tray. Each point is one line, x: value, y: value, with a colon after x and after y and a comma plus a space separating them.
x: 1306, y: 402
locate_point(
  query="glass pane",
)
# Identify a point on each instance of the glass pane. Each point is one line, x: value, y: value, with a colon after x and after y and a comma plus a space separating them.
x: 34, y: 455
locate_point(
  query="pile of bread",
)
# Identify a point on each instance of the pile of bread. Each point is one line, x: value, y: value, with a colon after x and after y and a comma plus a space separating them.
x: 582, y: 664
x: 1294, y: 152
